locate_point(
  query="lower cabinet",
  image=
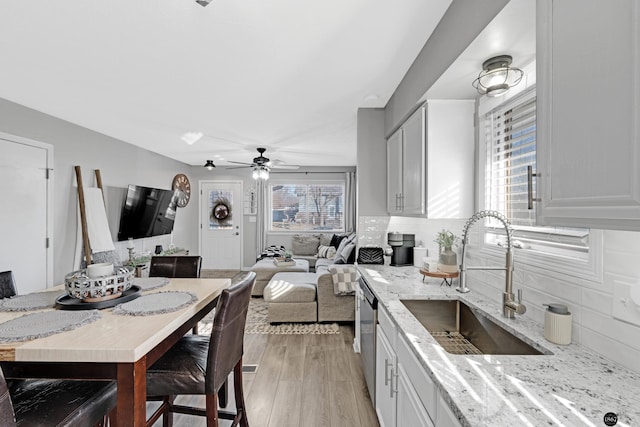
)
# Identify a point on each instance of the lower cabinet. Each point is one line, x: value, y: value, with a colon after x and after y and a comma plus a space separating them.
x: 410, y: 411
x: 386, y: 373
x: 406, y: 396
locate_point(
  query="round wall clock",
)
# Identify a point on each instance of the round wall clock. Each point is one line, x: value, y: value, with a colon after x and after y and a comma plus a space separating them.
x: 181, y: 183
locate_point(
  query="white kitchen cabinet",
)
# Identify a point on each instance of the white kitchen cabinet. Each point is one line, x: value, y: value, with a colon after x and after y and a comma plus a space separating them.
x: 588, y: 113
x: 410, y: 411
x: 430, y: 162
x: 386, y: 370
x: 446, y: 418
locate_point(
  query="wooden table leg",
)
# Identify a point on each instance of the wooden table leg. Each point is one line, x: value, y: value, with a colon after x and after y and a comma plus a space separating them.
x: 132, y: 393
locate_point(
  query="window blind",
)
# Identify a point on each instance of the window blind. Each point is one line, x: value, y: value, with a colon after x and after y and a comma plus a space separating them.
x: 510, y: 131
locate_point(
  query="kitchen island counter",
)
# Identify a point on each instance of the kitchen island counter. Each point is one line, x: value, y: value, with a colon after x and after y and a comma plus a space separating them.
x: 573, y: 386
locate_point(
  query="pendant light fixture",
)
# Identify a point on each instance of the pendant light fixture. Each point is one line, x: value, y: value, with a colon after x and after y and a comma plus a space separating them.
x: 203, y: 3
x: 497, y: 76
x: 209, y: 165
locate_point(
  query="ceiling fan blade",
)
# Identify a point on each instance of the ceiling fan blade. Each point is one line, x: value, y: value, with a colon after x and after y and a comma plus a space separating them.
x: 292, y: 167
x: 237, y: 167
x: 240, y: 163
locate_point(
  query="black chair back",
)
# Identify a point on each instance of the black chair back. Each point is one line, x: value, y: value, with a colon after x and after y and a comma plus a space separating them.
x: 227, y: 334
x: 180, y: 266
x: 7, y: 284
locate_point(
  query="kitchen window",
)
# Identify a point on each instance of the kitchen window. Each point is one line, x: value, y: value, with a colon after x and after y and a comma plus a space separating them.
x: 307, y: 206
x: 509, y: 145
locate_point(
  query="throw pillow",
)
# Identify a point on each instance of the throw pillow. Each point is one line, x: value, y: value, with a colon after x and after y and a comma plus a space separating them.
x: 325, y: 239
x: 343, y: 257
x: 326, y: 251
x: 345, y: 279
x: 305, y: 244
x: 336, y: 239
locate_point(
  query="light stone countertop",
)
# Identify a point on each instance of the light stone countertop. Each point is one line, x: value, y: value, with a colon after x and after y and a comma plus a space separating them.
x: 573, y: 387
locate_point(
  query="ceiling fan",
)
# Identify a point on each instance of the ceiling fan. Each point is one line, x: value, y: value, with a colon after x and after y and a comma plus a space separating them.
x: 261, y: 165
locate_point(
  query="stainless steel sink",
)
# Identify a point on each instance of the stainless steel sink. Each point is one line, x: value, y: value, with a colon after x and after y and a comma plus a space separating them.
x: 460, y: 329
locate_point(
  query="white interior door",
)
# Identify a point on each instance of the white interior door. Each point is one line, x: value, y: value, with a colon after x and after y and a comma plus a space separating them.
x: 24, y: 214
x: 221, y: 224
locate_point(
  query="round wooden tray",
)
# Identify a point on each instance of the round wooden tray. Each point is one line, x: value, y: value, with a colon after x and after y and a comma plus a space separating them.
x: 439, y: 274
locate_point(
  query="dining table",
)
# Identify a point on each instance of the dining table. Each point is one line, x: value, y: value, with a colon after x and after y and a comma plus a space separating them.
x: 114, y: 347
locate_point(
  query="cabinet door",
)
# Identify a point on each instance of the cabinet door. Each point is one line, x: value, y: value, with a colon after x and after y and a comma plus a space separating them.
x: 394, y: 173
x: 588, y: 87
x: 413, y: 164
x: 410, y: 409
x: 385, y: 382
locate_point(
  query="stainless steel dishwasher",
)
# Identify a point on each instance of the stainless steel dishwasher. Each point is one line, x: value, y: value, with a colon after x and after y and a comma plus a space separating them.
x: 368, y: 322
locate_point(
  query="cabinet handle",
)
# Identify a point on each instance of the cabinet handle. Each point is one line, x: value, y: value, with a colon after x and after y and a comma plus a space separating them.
x: 391, y: 390
x: 386, y: 371
x: 530, y: 176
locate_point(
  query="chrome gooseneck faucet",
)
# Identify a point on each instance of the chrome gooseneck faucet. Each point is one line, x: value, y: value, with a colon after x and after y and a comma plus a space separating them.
x: 509, y: 305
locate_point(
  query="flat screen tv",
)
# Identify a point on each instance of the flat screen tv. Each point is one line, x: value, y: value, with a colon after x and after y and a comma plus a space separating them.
x: 147, y: 212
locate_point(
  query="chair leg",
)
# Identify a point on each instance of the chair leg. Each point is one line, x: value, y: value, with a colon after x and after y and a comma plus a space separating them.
x: 212, y: 410
x: 223, y: 395
x: 239, y: 394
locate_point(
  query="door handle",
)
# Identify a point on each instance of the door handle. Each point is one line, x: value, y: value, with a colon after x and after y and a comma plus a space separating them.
x: 386, y: 371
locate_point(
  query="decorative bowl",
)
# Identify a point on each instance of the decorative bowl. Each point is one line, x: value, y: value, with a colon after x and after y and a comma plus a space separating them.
x: 100, y: 269
x: 79, y: 285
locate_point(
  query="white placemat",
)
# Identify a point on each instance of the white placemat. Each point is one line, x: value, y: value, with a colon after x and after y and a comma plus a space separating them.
x: 29, y: 302
x: 43, y: 324
x: 158, y: 303
x: 149, y: 283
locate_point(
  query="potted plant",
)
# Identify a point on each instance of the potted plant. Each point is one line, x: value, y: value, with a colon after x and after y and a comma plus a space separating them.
x: 448, y: 259
x: 288, y: 255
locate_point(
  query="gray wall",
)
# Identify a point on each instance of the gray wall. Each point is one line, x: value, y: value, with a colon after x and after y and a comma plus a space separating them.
x: 460, y: 25
x: 120, y: 164
x: 372, y: 163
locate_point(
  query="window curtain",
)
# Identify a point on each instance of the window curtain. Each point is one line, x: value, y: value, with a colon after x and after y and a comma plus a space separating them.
x: 350, y: 201
x: 261, y: 217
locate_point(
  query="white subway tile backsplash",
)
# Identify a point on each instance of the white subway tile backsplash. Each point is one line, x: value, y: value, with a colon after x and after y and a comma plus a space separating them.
x: 612, y: 349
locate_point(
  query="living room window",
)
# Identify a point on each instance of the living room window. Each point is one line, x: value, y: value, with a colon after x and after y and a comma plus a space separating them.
x: 510, y: 147
x: 307, y: 206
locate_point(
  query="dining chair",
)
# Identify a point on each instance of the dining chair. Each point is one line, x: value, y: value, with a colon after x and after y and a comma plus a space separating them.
x: 39, y: 403
x: 7, y: 284
x: 179, y: 266
x: 200, y: 365
x: 183, y: 266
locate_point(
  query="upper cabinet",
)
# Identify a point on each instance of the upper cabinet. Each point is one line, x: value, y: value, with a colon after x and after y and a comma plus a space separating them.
x: 588, y: 88
x: 430, y: 162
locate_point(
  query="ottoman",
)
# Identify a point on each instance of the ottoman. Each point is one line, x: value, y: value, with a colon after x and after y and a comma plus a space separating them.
x: 292, y: 297
x: 265, y: 269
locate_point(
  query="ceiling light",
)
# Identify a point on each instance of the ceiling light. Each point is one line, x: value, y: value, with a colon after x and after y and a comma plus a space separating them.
x: 209, y: 165
x: 203, y: 2
x: 191, y: 137
x: 260, y: 172
x: 497, y: 76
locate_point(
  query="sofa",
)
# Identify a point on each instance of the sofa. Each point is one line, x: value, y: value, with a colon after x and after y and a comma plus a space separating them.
x: 310, y: 297
x: 316, y: 248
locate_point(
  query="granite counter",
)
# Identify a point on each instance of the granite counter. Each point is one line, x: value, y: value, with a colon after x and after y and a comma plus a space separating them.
x: 573, y: 386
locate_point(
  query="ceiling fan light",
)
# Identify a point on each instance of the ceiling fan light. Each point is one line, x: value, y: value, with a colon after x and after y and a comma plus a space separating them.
x: 497, y: 76
x: 203, y: 3
x: 209, y: 165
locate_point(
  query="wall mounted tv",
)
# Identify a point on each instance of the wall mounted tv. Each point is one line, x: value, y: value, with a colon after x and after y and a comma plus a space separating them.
x: 147, y: 212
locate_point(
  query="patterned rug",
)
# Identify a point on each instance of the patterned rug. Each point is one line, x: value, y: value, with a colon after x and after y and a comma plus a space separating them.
x: 257, y: 323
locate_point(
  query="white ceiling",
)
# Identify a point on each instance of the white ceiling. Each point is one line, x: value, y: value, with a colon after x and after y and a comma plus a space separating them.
x: 288, y: 75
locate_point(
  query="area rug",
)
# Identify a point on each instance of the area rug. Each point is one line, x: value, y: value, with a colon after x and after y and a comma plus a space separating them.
x: 257, y: 323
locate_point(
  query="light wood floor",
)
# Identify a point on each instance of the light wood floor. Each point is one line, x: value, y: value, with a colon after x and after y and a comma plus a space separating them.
x: 301, y: 380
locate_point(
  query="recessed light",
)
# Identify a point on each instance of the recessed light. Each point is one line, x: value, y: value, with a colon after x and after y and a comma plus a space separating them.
x: 371, y: 97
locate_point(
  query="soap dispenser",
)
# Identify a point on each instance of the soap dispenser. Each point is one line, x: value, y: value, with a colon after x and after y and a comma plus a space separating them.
x: 557, y: 324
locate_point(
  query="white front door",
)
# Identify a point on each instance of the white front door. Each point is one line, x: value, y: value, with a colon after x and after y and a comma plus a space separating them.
x: 221, y: 224
x: 24, y: 214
